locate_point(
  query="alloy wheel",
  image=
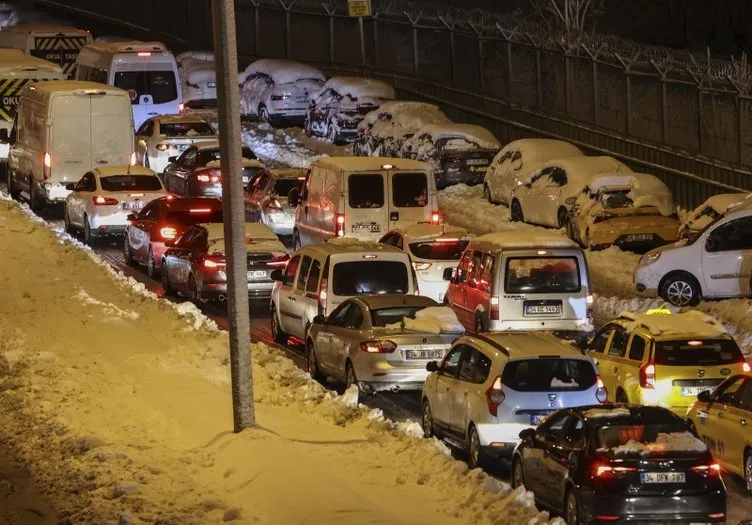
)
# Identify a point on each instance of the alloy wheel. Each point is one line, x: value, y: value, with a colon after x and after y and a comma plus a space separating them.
x: 427, y: 421
x: 679, y: 293
x: 151, y: 264
x: 748, y: 471
x: 474, y: 451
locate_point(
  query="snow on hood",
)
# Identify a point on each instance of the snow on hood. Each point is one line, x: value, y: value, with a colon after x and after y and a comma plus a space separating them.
x: 532, y: 238
x: 690, y: 324
x: 477, y: 135
x: 258, y: 238
x: 432, y: 320
x: 407, y: 118
x: 664, y: 442
x: 606, y: 412
x: 282, y: 71
x: 359, y: 88
x: 643, y: 190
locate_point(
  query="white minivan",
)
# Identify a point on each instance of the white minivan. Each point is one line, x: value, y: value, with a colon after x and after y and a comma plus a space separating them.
x: 63, y: 129
x: 146, y: 70
x: 362, y: 197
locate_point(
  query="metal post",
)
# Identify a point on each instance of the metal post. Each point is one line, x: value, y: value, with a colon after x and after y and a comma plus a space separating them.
x: 362, y: 31
x: 700, y: 104
x: 740, y: 103
x: 567, y: 85
x: 510, y: 69
x: 228, y: 95
x: 481, y: 61
x: 257, y: 30
x: 288, y: 33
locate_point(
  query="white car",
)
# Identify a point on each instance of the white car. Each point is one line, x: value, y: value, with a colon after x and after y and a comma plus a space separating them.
x: 490, y: 387
x: 553, y: 189
x: 517, y: 160
x: 715, y: 264
x: 100, y: 202
x: 165, y: 136
x: 709, y: 211
x: 433, y: 248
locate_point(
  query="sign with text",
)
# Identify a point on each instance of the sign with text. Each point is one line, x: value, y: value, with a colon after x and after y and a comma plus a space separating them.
x: 359, y: 8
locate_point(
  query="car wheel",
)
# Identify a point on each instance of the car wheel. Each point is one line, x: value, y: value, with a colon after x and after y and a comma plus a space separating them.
x: 278, y: 335
x: 571, y: 509
x: 475, y: 458
x: 88, y: 237
x: 12, y: 190
x: 681, y: 290
x: 313, y: 363
x: 517, y: 476
x: 426, y: 420
x: 151, y: 264
x: 515, y: 212
x: 748, y: 471
x: 66, y: 222
x: 34, y: 199
x: 168, y: 290
x: 296, y: 241
x: 263, y: 114
x: 127, y: 253
x: 350, y: 378
x: 193, y: 293
x: 563, y: 217
x: 487, y: 194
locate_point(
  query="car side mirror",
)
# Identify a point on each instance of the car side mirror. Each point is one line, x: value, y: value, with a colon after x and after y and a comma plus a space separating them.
x: 319, y: 319
x: 169, y: 243
x: 448, y: 274
x: 71, y: 186
x: 432, y: 366
x: 293, y: 198
x: 528, y: 435
x: 131, y: 217
x: 276, y: 275
x: 704, y: 396
x: 172, y: 159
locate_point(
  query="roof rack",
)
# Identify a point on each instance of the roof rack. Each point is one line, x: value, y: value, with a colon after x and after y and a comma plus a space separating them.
x: 134, y: 46
x: 493, y: 343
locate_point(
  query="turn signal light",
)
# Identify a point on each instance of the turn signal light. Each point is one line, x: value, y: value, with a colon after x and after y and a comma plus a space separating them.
x: 378, y: 347
x: 340, y: 225
x: 601, y: 394
x: 435, y: 217
x: 745, y: 367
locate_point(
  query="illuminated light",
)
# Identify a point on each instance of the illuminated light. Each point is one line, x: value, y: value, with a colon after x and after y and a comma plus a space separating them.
x: 47, y: 160
x: 604, y: 470
x: 340, y: 219
x: 713, y: 469
x: 494, y: 301
x: 608, y: 517
x: 340, y: 229
x: 494, y: 309
x: 542, y: 252
x: 370, y: 256
x: 143, y: 54
x: 101, y: 200
x: 447, y: 239
x: 421, y: 266
x: 322, y: 295
x: 168, y: 233
x: 181, y: 107
x: 379, y: 346
x: 659, y: 311
x: 387, y: 166
x: 170, y: 197
x: 589, y: 300
x: 495, y: 396
x: 208, y: 263
x: 601, y: 393
x: 647, y: 376
x: 745, y: 367
x: 163, y: 147
x: 435, y: 217
x: 203, y: 178
x: 136, y: 194
x: 301, y: 178
x: 716, y: 515
x: 695, y: 343
x: 200, y: 210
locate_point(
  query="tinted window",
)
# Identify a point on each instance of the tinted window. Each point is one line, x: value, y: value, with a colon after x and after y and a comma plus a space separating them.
x: 543, y: 375
x: 705, y: 352
x: 532, y: 275
x: 187, y: 217
x: 409, y: 190
x: 439, y: 250
x: 354, y: 318
x: 384, y: 316
x: 159, y: 84
x: 337, y: 318
x: 304, y: 267
x: 366, y: 191
x: 463, y: 270
x: 202, y: 103
x: 130, y: 183
x: 730, y: 392
x: 452, y: 361
x: 598, y: 344
x: 205, y: 156
x: 619, y: 342
x: 637, y: 348
x: 313, y: 277
x: 475, y: 368
x: 734, y: 235
x: 292, y: 267
x: 282, y: 187
x: 363, y: 277
x: 186, y: 129
x: 745, y: 397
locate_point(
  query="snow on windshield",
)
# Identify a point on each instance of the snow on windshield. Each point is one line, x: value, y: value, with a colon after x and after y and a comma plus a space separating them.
x: 433, y: 320
x: 607, y: 412
x: 664, y: 442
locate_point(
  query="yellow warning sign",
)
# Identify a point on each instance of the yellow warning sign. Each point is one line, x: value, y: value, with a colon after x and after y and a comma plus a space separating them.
x: 358, y: 8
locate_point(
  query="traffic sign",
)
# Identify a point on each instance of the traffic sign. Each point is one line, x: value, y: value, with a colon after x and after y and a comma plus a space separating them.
x: 359, y: 8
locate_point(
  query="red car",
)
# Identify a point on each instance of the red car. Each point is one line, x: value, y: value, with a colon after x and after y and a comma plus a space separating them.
x: 165, y: 219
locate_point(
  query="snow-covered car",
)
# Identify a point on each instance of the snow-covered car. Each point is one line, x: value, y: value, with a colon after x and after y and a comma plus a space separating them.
x: 433, y: 248
x: 382, y: 131
x: 381, y: 342
x: 178, y: 173
x: 197, y: 79
x: 517, y: 160
x: 709, y: 211
x: 553, y: 189
x: 277, y: 90
x: 266, y: 198
x: 165, y: 136
x: 458, y: 153
x: 338, y: 107
x: 715, y: 264
x: 491, y: 387
x: 633, y: 212
x: 194, y: 265
x: 100, y: 202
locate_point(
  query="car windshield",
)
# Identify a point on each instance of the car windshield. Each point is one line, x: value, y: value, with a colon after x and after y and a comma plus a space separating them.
x: 384, y: 316
x: 646, y: 439
x: 197, y: 215
x: 366, y: 277
x: 439, y: 250
x: 186, y: 129
x: 205, y: 156
x: 366, y: 190
x: 410, y: 190
x: 548, y: 374
x: 531, y: 275
x: 159, y: 84
x: 614, y: 199
x: 698, y: 352
x: 282, y: 187
x: 130, y: 183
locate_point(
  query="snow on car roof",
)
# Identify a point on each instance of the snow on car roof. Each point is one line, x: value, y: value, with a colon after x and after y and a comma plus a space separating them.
x: 581, y: 169
x: 644, y: 183
x: 396, y: 107
x: 349, y: 245
x: 258, y: 237
x: 664, y: 442
x: 45, y: 28
x: 526, y: 239
x: 195, y: 56
x: 597, y: 413
x: 723, y: 201
x: 432, y: 320
x: 255, y: 230
x: 358, y: 87
x: 12, y: 59
x: 247, y: 163
x: 526, y: 344
x: 661, y: 322
x: 179, y: 119
x: 282, y: 71
x: 427, y: 231
x: 370, y: 163
x: 539, y: 149
x: 452, y: 130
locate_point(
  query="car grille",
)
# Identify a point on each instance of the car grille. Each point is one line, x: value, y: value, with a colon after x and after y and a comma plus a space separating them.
x: 696, y: 382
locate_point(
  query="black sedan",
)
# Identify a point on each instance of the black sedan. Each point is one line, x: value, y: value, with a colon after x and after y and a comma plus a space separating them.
x: 620, y: 464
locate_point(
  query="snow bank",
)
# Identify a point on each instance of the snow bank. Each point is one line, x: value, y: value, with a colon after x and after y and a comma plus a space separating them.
x: 281, y: 71
x: 288, y: 147
x: 664, y: 442
x: 432, y: 320
x: 131, y: 421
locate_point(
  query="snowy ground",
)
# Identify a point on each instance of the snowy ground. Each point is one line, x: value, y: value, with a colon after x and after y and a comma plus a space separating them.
x: 119, y: 403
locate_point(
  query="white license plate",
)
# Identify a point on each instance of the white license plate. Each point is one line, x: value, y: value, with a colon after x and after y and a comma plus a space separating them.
x: 135, y: 205
x: 368, y: 228
x: 424, y: 354
x: 537, y: 419
x: 245, y: 180
x: 692, y: 391
x: 639, y: 237
x: 477, y: 162
x: 663, y: 477
x: 542, y: 309
x: 256, y: 274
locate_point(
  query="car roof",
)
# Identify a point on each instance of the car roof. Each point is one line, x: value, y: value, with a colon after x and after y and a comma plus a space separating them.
x: 256, y: 230
x: 390, y: 300
x: 430, y: 231
x: 661, y: 325
x: 521, y: 239
x: 72, y: 86
x: 347, y: 245
x: 122, y: 170
x: 369, y: 163
x: 519, y: 345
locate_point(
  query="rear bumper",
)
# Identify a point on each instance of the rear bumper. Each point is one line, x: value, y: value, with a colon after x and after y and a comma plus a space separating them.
x: 381, y: 375
x: 445, y: 177
x: 217, y: 291
x: 574, y: 327
x: 500, y: 439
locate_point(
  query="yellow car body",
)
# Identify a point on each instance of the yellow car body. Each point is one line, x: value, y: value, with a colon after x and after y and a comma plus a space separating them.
x: 628, y: 228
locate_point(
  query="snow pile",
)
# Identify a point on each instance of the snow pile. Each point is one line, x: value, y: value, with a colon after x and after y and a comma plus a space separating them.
x: 558, y: 383
x: 709, y: 210
x: 131, y: 422
x: 288, y: 147
x: 357, y: 88
x: 247, y: 163
x: 456, y: 137
x: 432, y: 320
x: 281, y: 71
x: 387, y: 127
x: 642, y: 190
x: 664, y: 442
x: 110, y: 310
x: 595, y: 413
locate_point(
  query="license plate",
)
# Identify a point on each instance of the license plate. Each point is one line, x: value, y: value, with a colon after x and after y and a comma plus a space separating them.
x: 692, y: 391
x: 369, y: 228
x: 537, y: 419
x: 636, y: 237
x: 245, y: 180
x: 424, y: 354
x: 256, y: 274
x: 477, y: 162
x: 302, y: 99
x: 662, y: 477
x: 135, y: 205
x: 542, y: 309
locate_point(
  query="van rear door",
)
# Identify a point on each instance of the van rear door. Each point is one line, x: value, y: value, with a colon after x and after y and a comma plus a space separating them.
x: 70, y: 134
x: 409, y: 201
x: 366, y: 207
x: 112, y: 139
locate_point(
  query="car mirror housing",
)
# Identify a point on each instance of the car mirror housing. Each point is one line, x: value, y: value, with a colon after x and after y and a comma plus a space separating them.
x: 131, y: 217
x: 319, y: 319
x: 172, y: 159
x: 704, y: 396
x: 527, y: 435
x: 432, y: 366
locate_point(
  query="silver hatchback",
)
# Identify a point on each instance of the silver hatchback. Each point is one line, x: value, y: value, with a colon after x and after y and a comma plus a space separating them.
x: 381, y: 342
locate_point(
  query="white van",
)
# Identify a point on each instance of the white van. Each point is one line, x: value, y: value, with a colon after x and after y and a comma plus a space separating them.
x: 363, y: 197
x: 63, y: 129
x: 58, y: 44
x: 16, y: 70
x: 146, y: 70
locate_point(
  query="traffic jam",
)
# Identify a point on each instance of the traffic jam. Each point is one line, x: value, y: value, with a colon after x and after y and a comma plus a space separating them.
x: 645, y: 418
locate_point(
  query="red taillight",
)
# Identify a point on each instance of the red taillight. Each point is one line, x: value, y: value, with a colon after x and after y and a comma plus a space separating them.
x: 494, y: 309
x: 647, y: 376
x: 340, y: 224
x: 47, y: 168
x: 745, y: 367
x: 435, y: 217
x: 709, y: 470
x: 379, y: 346
x: 199, y: 210
x: 209, y: 263
x: 101, y: 200
x: 601, y: 394
x: 168, y: 233
x: 607, y: 517
x: 717, y: 515
x: 608, y: 471
x: 495, y: 396
x: 203, y: 178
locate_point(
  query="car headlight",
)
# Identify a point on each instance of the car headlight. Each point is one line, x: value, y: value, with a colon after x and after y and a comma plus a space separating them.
x: 649, y: 258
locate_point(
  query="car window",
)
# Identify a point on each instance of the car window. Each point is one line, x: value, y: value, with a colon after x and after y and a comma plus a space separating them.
x: 734, y: 235
x: 337, y: 317
x: 354, y: 317
x: 463, y: 270
x: 558, y: 374
x: 186, y: 239
x: 542, y: 275
x: 150, y: 212
x: 370, y: 276
x: 292, y: 267
x: 486, y: 273
x: 637, y: 348
x: 574, y: 434
x: 451, y: 363
x: 558, y: 177
x: 439, y: 250
x: 517, y: 155
x: 598, y: 344
x: 744, y: 398
x: 366, y: 190
x: 161, y: 85
x: 313, y: 277
x: 201, y: 241
x: 475, y: 268
x: 87, y: 183
x: 618, y: 346
x: 467, y: 366
x: 130, y: 183
x: 728, y: 392
x: 146, y: 128
x: 697, y: 352
x: 482, y: 368
x: 555, y: 425
x: 541, y: 178
x: 188, y: 158
x: 303, y: 273
x: 409, y: 190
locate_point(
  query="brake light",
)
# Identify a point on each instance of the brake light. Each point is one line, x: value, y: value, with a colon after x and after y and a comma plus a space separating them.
x: 435, y: 217
x: 340, y: 225
x: 163, y: 147
x: 144, y: 54
x: 199, y: 210
x: 379, y: 346
x: 133, y: 159
x: 168, y: 233
x: 421, y: 265
x: 47, y: 169
x: 745, y: 367
x: 647, y: 376
x: 203, y: 178
x: 601, y: 394
x: 607, y: 471
x: 322, y: 293
x: 494, y: 308
x: 101, y: 200
x: 710, y: 470
x: 495, y: 396
x: 274, y: 204
x: 208, y: 263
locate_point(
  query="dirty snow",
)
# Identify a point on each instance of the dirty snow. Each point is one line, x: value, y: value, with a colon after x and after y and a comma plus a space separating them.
x: 606, y: 412
x: 432, y: 320
x: 288, y: 147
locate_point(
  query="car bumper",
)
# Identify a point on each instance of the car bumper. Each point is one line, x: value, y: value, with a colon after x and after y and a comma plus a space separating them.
x: 500, y: 439
x: 381, y: 375
x: 654, y: 509
x: 575, y: 327
x: 114, y: 221
x: 216, y: 291
x: 206, y: 190
x: 646, y: 282
x: 447, y: 177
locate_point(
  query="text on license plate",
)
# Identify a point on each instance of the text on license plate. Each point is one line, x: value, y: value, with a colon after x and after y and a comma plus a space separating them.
x: 537, y: 419
x: 692, y: 391
x: 256, y: 274
x: 424, y: 354
x: 362, y: 227
x: 536, y: 309
x: 639, y: 237
x: 662, y: 477
x: 135, y: 205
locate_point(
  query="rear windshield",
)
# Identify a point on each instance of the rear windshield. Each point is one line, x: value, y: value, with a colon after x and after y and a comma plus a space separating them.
x: 366, y: 191
x: 548, y: 374
x: 159, y: 84
x: 130, y: 183
x: 615, y: 199
x: 282, y: 187
x: 202, y: 103
x: 700, y: 352
x: 385, y: 316
x: 439, y: 250
x: 532, y: 275
x: 186, y: 129
x: 208, y: 155
x: 365, y: 277
x: 198, y: 216
x: 410, y: 190
x: 647, y: 439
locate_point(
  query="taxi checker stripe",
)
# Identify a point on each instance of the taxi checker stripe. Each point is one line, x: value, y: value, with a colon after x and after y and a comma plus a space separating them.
x: 4, y: 115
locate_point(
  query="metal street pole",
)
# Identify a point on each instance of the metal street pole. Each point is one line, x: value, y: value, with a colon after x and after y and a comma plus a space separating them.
x: 230, y: 160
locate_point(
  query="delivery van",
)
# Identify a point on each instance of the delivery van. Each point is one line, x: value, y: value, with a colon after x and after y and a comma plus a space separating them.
x: 63, y: 129
x: 146, y: 70
x: 363, y: 198
x: 58, y: 44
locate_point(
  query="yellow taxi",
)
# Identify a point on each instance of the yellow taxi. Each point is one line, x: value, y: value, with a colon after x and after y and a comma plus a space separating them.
x: 664, y: 358
x: 723, y: 420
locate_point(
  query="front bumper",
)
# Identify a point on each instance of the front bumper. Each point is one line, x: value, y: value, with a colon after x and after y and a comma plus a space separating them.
x: 448, y: 176
x: 646, y: 282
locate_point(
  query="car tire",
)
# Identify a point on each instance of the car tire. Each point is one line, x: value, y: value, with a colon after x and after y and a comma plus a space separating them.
x: 515, y: 212
x: 487, y: 194
x: 426, y: 420
x: 87, y: 235
x: 66, y: 222
x: 475, y: 456
x: 748, y: 471
x: 151, y: 264
x: 312, y: 364
x: 278, y: 335
x: 193, y: 292
x: 350, y: 377
x: 263, y: 114
x: 12, y: 190
x: 517, y: 476
x: 127, y: 253
x: 571, y: 508
x: 167, y: 288
x: 562, y: 217
x: 680, y: 289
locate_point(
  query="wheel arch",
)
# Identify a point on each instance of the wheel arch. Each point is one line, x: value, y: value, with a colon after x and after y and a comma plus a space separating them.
x: 672, y: 273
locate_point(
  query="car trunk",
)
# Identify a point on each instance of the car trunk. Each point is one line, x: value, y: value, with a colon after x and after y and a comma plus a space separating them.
x: 470, y: 161
x: 415, y: 348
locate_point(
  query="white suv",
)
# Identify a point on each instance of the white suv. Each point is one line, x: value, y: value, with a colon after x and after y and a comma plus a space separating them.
x: 716, y: 263
x: 490, y: 387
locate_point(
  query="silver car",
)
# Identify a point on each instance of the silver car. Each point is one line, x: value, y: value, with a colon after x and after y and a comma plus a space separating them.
x: 365, y: 341
x: 266, y: 198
